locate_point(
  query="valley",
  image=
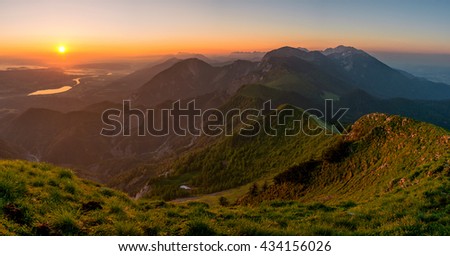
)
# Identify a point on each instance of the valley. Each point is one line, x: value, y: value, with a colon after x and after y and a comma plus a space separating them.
x: 384, y: 172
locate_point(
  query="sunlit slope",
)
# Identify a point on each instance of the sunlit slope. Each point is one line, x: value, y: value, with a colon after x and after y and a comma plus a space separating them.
x: 235, y: 160
x: 389, y: 176
x: 381, y: 154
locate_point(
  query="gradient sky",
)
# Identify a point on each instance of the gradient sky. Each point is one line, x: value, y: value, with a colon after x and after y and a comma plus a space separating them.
x: 138, y: 27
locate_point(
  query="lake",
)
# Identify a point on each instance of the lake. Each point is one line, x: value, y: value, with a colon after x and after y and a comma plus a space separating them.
x: 57, y: 90
x: 51, y: 91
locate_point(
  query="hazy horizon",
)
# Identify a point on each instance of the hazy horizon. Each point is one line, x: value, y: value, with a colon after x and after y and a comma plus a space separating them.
x: 435, y: 67
x: 117, y: 29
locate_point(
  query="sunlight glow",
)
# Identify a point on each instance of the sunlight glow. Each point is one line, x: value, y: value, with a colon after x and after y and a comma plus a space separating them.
x: 61, y: 49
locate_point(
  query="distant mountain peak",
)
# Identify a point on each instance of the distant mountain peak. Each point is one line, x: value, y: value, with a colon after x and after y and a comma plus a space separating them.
x: 288, y: 51
x: 186, y: 55
x: 341, y: 49
x: 303, y: 49
x: 193, y: 62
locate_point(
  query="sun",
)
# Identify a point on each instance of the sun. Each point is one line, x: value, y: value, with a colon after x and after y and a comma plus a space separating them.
x: 61, y: 49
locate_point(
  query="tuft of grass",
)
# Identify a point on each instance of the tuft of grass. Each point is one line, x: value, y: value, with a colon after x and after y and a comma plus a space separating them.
x: 65, y: 174
x: 320, y: 207
x: 107, y: 192
x: 117, y: 210
x: 11, y: 189
x: 127, y: 228
x: 347, y: 204
x: 199, y: 228
x: 38, y: 183
x: 70, y: 188
x: 64, y: 223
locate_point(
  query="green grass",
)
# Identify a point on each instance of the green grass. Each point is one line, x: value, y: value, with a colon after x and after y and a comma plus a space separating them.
x: 389, y: 176
x: 238, y: 160
x: 37, y: 198
x: 414, y: 210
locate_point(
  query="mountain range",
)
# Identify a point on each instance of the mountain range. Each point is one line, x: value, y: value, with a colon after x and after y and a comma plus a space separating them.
x: 396, y: 149
x: 287, y: 75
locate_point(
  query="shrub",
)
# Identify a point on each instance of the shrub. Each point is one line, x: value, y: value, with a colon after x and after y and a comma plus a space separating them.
x: 253, y: 191
x: 223, y: 201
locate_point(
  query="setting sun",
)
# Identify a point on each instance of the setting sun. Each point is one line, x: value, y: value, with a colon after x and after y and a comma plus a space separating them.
x: 61, y: 49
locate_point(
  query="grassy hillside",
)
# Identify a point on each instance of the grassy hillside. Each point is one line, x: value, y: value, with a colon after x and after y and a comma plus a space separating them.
x: 237, y: 160
x: 40, y: 199
x: 380, y: 155
x: 389, y: 176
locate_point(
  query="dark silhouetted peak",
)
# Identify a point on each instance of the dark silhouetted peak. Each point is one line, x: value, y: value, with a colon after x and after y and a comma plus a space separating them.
x: 303, y: 49
x: 286, y: 51
x: 186, y: 55
x: 193, y: 63
x: 192, y: 78
x: 315, y: 57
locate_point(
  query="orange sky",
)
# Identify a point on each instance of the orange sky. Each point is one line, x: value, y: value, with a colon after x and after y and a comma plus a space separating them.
x: 108, y: 29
